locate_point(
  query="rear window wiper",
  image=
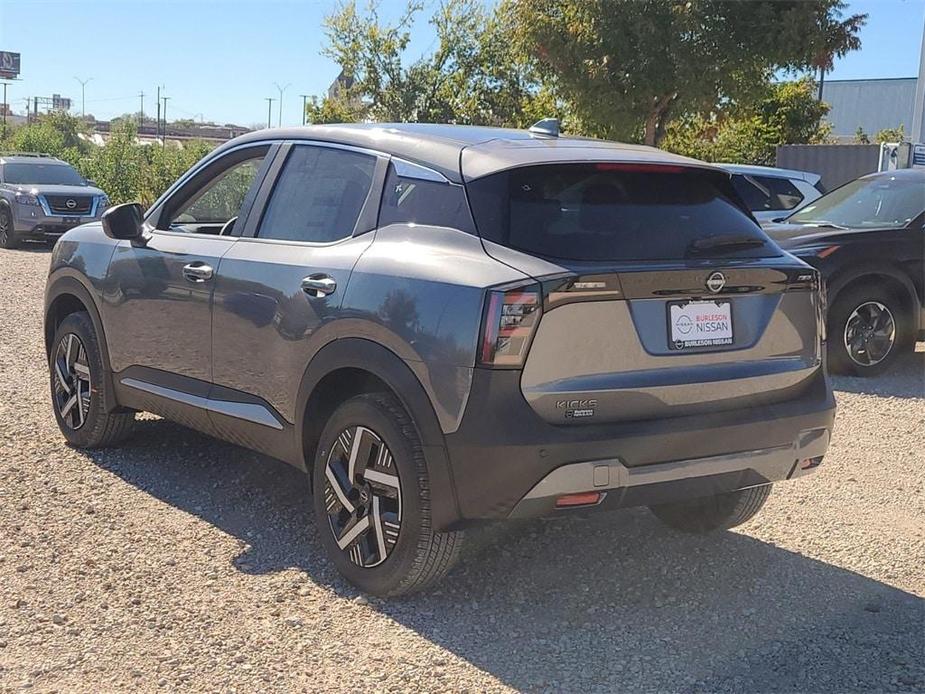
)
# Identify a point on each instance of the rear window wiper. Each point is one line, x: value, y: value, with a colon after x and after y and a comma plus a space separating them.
x: 729, y: 241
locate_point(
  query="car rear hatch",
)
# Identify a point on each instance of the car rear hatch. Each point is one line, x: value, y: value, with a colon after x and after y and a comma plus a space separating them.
x: 657, y: 293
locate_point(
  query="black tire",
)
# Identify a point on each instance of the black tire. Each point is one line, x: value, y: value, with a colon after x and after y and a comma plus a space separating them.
x: 84, y: 423
x: 849, y: 311
x: 719, y: 512
x: 7, y: 234
x: 418, y: 557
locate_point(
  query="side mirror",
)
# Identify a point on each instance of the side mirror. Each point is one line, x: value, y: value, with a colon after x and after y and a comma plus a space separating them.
x: 124, y: 221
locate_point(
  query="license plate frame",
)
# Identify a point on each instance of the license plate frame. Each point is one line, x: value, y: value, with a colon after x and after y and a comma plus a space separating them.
x: 718, y: 311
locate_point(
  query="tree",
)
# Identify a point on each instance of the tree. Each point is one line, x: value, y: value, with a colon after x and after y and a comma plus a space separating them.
x: 472, y: 76
x: 626, y: 67
x: 788, y: 113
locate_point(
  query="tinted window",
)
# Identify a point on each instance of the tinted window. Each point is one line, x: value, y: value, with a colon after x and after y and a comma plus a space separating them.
x: 424, y: 202
x: 764, y: 193
x: 319, y: 195
x: 614, y: 212
x: 883, y: 201
x: 39, y: 174
x: 756, y: 198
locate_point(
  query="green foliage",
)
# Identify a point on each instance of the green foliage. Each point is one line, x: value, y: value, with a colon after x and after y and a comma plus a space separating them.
x: 125, y: 169
x: 891, y: 134
x: 861, y: 137
x: 57, y: 134
x: 626, y: 67
x: 472, y: 76
x: 787, y: 113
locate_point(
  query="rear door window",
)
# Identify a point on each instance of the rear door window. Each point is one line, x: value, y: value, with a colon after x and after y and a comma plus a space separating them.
x: 612, y: 212
x: 767, y: 193
x: 319, y: 195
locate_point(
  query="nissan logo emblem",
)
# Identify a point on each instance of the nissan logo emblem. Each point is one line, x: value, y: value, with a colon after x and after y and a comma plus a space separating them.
x: 716, y: 282
x: 71, y: 204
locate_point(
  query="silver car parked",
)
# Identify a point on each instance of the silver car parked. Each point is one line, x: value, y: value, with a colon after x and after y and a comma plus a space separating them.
x: 42, y: 197
x: 444, y: 325
x: 772, y: 193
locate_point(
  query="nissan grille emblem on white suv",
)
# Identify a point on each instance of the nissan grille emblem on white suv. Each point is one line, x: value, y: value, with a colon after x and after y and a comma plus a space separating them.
x: 716, y: 282
x: 71, y: 204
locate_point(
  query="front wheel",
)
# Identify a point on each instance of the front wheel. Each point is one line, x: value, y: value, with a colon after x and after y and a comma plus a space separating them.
x: 77, y: 382
x: 7, y: 234
x: 718, y: 512
x: 372, y: 500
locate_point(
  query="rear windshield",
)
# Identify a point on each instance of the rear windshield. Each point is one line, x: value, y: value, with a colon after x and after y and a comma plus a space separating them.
x: 42, y: 174
x: 609, y: 212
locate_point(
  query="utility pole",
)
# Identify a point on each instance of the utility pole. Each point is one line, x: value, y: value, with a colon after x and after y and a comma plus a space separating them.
x: 5, y: 84
x: 304, y: 103
x: 281, y: 90
x: 141, y: 117
x: 83, y: 95
x: 164, y: 98
x: 269, y: 100
x: 157, y: 127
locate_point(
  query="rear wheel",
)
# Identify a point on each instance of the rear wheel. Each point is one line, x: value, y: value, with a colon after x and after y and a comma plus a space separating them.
x: 372, y: 500
x: 867, y: 328
x: 7, y: 235
x: 719, y: 512
x: 76, y: 367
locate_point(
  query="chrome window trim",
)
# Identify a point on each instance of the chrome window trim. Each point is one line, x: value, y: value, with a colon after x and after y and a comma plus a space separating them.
x: 408, y: 169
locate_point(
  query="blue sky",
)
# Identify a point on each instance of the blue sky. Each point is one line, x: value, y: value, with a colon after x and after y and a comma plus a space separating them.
x: 221, y: 58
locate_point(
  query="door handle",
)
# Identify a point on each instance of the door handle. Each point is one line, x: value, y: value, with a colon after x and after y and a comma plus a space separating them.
x: 317, y: 286
x: 197, y: 272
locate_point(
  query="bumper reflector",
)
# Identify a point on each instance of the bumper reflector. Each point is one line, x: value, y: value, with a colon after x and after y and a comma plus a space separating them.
x: 582, y: 499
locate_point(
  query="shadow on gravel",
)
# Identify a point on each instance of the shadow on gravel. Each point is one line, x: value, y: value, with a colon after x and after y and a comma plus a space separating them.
x: 32, y: 247
x: 905, y: 379
x: 598, y: 603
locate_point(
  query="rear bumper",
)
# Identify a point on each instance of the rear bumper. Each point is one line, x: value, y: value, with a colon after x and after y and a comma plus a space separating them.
x: 658, y: 483
x: 506, y: 461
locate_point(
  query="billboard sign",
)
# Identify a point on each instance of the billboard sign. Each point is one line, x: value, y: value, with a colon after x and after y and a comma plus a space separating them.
x: 9, y: 65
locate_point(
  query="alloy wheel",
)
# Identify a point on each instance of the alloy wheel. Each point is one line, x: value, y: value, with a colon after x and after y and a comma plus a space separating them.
x: 71, y: 381
x: 870, y: 333
x: 4, y: 228
x: 362, y: 496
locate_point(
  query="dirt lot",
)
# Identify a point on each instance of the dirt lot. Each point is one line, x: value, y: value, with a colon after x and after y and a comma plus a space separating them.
x: 178, y: 562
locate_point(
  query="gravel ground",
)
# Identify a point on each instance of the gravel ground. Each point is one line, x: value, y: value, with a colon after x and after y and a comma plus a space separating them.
x: 181, y: 563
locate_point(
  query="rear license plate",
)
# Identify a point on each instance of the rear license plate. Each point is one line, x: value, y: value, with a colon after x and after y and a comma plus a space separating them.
x: 699, y: 324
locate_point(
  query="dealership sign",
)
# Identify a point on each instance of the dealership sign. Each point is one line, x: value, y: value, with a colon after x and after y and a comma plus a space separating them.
x: 9, y: 65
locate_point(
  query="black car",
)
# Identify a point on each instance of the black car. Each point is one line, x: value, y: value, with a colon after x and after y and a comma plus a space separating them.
x: 868, y: 240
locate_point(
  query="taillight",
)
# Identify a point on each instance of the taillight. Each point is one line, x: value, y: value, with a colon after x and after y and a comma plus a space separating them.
x: 511, y: 316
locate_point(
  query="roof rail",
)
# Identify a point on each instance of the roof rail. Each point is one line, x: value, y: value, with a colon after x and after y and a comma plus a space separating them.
x: 548, y: 127
x: 43, y: 155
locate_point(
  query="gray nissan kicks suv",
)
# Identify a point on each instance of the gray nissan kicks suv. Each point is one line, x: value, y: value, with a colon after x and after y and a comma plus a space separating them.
x: 41, y: 197
x: 444, y: 325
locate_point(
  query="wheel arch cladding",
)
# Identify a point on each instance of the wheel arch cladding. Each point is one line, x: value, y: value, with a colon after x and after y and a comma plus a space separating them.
x: 65, y: 296
x: 350, y: 366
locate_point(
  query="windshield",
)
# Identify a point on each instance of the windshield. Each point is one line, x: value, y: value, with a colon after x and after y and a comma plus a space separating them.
x: 878, y: 202
x: 608, y: 212
x: 42, y: 174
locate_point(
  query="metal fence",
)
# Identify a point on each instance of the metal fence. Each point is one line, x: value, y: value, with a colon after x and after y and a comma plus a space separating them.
x: 837, y: 164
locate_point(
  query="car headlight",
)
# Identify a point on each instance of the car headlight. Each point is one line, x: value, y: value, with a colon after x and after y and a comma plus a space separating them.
x: 27, y: 199
x: 102, y: 202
